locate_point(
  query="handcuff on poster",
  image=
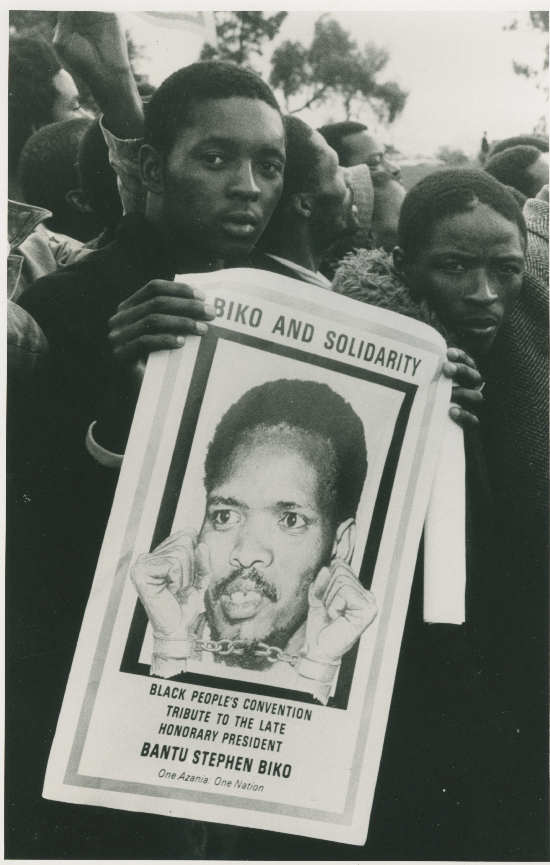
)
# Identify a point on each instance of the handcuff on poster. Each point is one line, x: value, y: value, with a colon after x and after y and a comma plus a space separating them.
x: 238, y: 652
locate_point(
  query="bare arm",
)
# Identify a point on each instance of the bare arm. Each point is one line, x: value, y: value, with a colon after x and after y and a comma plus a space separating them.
x: 93, y: 46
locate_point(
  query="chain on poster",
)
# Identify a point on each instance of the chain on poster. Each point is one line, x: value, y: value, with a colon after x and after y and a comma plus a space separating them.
x: 237, y: 656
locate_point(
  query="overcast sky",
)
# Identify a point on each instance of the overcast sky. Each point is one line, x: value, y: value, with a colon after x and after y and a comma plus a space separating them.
x: 457, y: 67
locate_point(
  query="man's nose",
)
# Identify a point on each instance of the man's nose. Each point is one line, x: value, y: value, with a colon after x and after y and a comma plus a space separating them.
x: 243, y: 182
x: 251, y: 548
x: 482, y: 288
x: 393, y: 169
x: 84, y: 112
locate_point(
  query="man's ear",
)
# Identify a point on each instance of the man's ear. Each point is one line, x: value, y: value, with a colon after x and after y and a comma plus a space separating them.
x: 344, y: 541
x: 302, y: 204
x: 78, y: 201
x: 151, y: 169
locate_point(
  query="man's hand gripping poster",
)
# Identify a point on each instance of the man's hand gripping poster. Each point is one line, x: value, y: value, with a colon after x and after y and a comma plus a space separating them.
x: 238, y: 652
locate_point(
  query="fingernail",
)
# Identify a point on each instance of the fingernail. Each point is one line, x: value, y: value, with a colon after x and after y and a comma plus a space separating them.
x: 200, y: 295
x: 453, y: 353
x: 201, y: 327
x: 180, y: 340
x: 454, y: 411
x: 209, y: 310
x: 449, y: 368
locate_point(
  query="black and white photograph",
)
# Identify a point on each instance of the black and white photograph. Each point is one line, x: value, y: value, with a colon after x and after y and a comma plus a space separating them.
x: 276, y: 574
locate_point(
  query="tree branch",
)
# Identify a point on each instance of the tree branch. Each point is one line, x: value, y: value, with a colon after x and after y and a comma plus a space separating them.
x: 317, y: 95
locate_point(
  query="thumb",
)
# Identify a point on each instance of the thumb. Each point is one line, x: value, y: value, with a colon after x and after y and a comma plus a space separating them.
x: 202, y: 570
x: 318, y: 587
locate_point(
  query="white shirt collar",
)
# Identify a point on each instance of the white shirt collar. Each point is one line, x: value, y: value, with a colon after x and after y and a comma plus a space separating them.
x: 315, y: 277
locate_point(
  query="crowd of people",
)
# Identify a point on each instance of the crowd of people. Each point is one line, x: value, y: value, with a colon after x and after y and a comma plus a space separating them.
x: 206, y: 174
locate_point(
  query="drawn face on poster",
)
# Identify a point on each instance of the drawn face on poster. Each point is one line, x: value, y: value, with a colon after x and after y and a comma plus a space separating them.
x: 283, y: 475
x: 264, y: 586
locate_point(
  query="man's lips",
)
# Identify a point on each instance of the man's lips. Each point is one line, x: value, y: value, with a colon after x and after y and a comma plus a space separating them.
x: 240, y: 224
x: 242, y: 594
x: 480, y: 325
x: 242, y: 600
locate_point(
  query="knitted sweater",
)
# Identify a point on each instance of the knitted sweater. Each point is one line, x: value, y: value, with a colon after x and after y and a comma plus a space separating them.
x: 517, y: 375
x: 368, y: 275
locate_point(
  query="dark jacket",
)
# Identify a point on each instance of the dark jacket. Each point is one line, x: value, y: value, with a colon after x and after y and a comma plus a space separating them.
x: 74, y: 305
x: 55, y: 527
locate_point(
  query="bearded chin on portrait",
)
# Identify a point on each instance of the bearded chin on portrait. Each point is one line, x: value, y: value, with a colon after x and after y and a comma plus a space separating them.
x: 268, y: 629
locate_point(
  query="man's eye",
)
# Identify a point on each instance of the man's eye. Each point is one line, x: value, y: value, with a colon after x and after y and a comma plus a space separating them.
x: 224, y: 518
x: 214, y: 160
x: 292, y: 520
x: 510, y: 268
x: 271, y: 169
x: 452, y: 266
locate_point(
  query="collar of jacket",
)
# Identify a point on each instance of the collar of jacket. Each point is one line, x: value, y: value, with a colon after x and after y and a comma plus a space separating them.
x: 22, y: 221
x: 148, y: 247
x: 535, y: 212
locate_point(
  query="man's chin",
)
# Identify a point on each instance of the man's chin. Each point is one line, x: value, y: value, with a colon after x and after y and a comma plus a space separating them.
x: 234, y: 249
x: 251, y: 632
x: 237, y: 618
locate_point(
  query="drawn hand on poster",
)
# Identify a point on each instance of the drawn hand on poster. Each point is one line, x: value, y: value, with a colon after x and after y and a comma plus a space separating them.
x: 340, y: 610
x: 171, y: 582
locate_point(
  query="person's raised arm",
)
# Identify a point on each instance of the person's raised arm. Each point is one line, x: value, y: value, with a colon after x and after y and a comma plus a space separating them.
x: 93, y: 46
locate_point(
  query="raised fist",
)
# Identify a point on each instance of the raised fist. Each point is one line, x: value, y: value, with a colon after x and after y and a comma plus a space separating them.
x: 171, y: 582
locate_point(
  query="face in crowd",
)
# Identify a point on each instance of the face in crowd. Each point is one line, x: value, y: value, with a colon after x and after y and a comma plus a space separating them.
x: 66, y: 104
x: 333, y: 214
x: 269, y: 529
x: 219, y: 183
x: 470, y: 270
x: 362, y: 148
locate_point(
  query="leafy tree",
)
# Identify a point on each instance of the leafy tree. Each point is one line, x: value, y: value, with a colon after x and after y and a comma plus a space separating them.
x: 538, y: 20
x: 241, y: 35
x: 334, y: 66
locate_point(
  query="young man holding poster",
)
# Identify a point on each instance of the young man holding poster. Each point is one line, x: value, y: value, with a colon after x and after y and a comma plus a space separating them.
x: 203, y: 209
x: 271, y: 566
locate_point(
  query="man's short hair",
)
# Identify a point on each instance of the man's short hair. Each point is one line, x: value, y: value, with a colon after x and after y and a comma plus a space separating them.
x: 537, y: 141
x: 171, y: 106
x: 335, y: 133
x: 300, y: 175
x: 301, y: 170
x: 33, y: 65
x: 444, y: 193
x: 510, y: 167
x: 48, y: 168
x: 307, y: 406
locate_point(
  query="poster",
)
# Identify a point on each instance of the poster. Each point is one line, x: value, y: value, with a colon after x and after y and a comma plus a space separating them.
x: 237, y: 656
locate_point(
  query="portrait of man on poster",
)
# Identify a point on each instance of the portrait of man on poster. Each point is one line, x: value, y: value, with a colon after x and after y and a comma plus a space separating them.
x: 266, y: 584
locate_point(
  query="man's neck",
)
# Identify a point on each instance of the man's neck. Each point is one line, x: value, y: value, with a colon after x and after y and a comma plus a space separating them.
x: 184, y: 258
x: 296, y: 246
